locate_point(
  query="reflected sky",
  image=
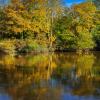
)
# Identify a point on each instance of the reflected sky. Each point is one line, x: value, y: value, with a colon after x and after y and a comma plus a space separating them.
x: 4, y: 96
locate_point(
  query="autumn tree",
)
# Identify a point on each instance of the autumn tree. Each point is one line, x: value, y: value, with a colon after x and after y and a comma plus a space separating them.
x: 65, y: 38
x: 23, y: 18
x: 23, y: 21
x: 54, y: 9
x: 83, y: 24
x: 48, y: 23
x: 96, y: 31
x: 75, y: 27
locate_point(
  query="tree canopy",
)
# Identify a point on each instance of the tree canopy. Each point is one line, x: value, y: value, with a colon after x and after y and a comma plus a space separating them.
x: 49, y: 24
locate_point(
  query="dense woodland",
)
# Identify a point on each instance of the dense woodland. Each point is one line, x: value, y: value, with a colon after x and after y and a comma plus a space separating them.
x: 49, y: 25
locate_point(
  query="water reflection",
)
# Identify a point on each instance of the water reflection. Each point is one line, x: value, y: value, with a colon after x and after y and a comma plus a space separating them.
x: 58, y: 76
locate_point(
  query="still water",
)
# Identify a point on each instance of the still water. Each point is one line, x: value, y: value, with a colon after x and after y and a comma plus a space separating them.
x: 55, y: 76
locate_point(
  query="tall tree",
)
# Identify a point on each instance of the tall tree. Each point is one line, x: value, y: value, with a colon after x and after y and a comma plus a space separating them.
x: 75, y: 27
x: 20, y: 18
x: 96, y: 31
x: 54, y: 9
x: 83, y: 22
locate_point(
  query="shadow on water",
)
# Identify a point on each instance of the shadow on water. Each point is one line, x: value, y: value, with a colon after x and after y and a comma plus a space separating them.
x: 58, y: 76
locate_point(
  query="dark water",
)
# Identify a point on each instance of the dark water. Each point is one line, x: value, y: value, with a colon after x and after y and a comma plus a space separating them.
x: 58, y: 76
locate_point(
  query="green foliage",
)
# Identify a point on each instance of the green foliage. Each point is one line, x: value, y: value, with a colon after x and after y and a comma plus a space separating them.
x: 44, y: 26
x: 73, y: 30
x: 97, y: 3
x: 96, y: 31
x: 31, y: 46
x: 65, y: 37
x: 84, y: 24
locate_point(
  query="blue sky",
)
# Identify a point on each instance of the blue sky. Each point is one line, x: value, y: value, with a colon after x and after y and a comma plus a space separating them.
x: 2, y: 2
x: 70, y: 2
x: 67, y: 2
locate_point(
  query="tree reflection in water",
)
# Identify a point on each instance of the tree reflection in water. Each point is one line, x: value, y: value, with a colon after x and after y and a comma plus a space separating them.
x: 51, y: 76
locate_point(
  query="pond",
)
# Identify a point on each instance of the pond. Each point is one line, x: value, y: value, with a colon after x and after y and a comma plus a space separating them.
x: 54, y: 76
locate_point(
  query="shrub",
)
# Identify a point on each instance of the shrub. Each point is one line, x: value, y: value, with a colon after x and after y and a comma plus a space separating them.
x: 7, y: 46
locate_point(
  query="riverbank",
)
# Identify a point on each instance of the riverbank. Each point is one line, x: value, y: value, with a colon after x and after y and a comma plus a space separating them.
x: 14, y: 47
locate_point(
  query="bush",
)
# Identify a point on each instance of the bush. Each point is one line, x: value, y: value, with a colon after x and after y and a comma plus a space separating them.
x: 32, y: 46
x: 7, y: 47
x: 21, y: 46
